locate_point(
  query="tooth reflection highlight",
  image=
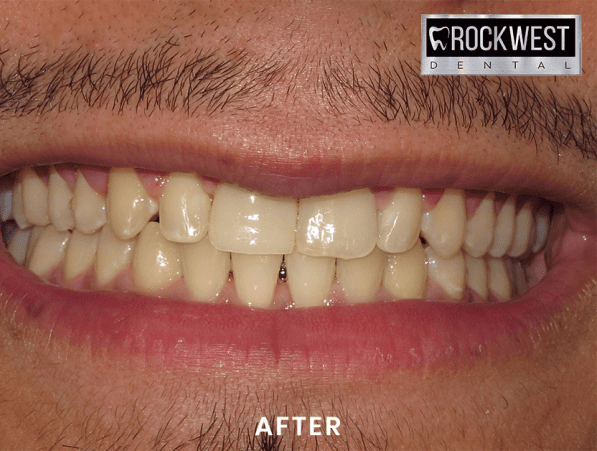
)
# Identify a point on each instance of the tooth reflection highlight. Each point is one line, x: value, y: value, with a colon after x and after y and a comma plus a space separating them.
x: 205, y: 269
x: 309, y: 278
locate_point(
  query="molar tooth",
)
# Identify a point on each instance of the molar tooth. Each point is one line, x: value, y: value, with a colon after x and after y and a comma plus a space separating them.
x: 6, y: 188
x: 89, y: 207
x: 476, y: 275
x: 205, y: 269
x: 523, y: 228
x: 18, y: 207
x: 80, y: 254
x: 49, y: 250
x: 255, y: 277
x: 112, y: 257
x: 360, y: 278
x: 17, y: 247
x: 520, y: 278
x: 35, y: 198
x: 36, y: 231
x: 339, y: 225
x: 156, y: 262
x: 184, y: 209
x: 499, y: 279
x: 59, y: 202
x: 443, y: 227
x: 245, y: 222
x: 405, y: 274
x: 449, y: 273
x: 542, y: 219
x: 504, y: 228
x: 129, y: 206
x: 399, y: 223
x: 480, y: 228
x: 309, y: 278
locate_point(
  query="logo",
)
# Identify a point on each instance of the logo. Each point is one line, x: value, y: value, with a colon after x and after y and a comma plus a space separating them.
x: 500, y: 45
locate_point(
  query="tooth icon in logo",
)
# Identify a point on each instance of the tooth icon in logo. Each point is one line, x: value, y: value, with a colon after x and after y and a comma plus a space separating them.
x: 436, y: 42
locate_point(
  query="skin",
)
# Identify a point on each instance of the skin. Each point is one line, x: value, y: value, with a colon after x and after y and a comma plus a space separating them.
x: 56, y: 394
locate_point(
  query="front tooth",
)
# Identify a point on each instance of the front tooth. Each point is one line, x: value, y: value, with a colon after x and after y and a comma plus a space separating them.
x: 340, y: 225
x: 479, y: 229
x: 399, y: 223
x: 449, y: 273
x: 309, y: 278
x: 476, y: 275
x: 80, y: 254
x: 443, y: 227
x: 89, y: 207
x: 59, y: 202
x: 18, y: 207
x: 245, y: 222
x: 49, y: 250
x: 542, y: 217
x: 113, y: 256
x: 405, y: 274
x: 184, y: 209
x: 205, y: 268
x: 156, y: 263
x: 35, y: 198
x: 504, y: 228
x: 360, y: 278
x: 499, y: 279
x: 129, y: 206
x: 255, y: 277
x: 6, y: 188
x: 523, y: 228
x: 18, y: 244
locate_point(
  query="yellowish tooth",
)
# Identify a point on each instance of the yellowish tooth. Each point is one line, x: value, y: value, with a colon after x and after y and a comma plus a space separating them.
x: 18, y: 207
x: 476, y: 275
x: 18, y: 244
x: 156, y: 262
x: 443, y: 227
x: 35, y: 198
x: 6, y: 188
x: 89, y: 207
x: 243, y: 221
x: 339, y: 225
x: 449, y: 273
x: 49, y: 250
x: 80, y: 254
x: 520, y: 278
x: 480, y: 228
x: 59, y: 202
x: 36, y: 231
x: 113, y: 256
x: 130, y: 208
x: 499, y: 279
x: 523, y: 228
x: 360, y: 278
x: 309, y: 278
x: 205, y: 269
x: 542, y: 217
x: 504, y: 228
x: 255, y: 277
x: 184, y: 209
x: 405, y: 274
x: 399, y: 224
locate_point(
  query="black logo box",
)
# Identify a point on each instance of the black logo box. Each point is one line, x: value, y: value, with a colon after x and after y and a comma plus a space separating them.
x: 525, y: 24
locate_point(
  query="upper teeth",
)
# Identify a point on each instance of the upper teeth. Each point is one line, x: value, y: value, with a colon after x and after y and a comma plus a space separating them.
x: 374, y: 246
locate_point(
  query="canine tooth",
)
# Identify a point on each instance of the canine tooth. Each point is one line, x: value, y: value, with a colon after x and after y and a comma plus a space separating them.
x: 449, y: 273
x: 205, y: 269
x: 156, y: 262
x: 405, y: 274
x: 480, y: 228
x: 476, y: 275
x: 542, y: 217
x: 18, y: 207
x: 6, y: 202
x: 113, y: 256
x: 35, y: 198
x: 89, y: 207
x: 339, y: 225
x: 80, y: 253
x: 36, y: 231
x: 255, y: 277
x: 399, y: 223
x: 499, y: 279
x: 59, y: 202
x: 49, y: 250
x: 129, y: 206
x: 443, y: 227
x: 18, y: 244
x: 309, y: 278
x: 523, y: 228
x: 360, y: 278
x: 184, y: 209
x: 504, y: 228
x: 245, y: 222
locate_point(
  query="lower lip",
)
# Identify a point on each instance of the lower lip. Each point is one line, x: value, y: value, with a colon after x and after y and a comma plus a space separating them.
x: 337, y: 339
